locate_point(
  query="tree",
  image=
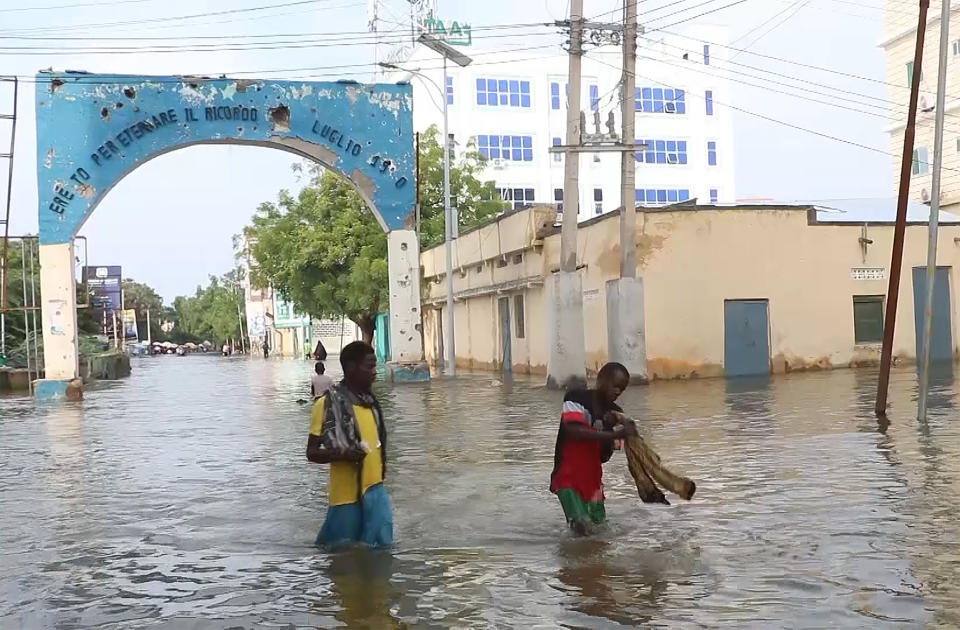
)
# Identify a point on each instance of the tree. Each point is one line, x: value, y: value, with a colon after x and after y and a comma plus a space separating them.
x: 324, y: 250
x: 142, y: 298
x: 476, y: 201
x: 212, y: 313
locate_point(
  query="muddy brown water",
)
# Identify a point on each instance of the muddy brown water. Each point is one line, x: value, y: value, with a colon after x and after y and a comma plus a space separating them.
x: 181, y: 498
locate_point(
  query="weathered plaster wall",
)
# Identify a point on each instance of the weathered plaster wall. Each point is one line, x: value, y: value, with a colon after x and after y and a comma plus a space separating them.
x: 691, y: 260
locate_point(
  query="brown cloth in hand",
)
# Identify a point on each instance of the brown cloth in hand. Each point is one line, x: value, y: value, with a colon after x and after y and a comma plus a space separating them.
x: 644, y: 465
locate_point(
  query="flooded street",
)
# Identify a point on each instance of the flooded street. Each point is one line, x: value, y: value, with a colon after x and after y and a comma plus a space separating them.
x: 181, y: 498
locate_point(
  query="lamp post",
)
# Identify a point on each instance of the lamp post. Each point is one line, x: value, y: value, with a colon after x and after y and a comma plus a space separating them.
x: 448, y: 52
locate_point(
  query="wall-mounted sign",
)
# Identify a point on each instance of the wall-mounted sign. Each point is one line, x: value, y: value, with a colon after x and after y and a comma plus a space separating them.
x: 454, y: 33
x: 286, y: 316
x: 868, y: 273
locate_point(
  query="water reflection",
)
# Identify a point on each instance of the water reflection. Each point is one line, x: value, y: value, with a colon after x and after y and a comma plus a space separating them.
x: 361, y: 581
x: 162, y: 502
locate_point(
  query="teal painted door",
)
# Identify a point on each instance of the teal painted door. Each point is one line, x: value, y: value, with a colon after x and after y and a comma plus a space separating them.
x: 507, y: 351
x: 746, y: 338
x: 941, y: 339
x: 382, y: 337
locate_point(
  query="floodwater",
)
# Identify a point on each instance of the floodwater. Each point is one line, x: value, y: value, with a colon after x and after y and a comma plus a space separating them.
x: 181, y: 498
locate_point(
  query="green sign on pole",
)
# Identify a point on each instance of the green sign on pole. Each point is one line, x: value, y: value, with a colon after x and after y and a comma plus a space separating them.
x: 456, y: 34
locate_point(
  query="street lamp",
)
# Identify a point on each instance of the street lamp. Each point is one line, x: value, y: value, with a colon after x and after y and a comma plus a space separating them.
x: 447, y: 52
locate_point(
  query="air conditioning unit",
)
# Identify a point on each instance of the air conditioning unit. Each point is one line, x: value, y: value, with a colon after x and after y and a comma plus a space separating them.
x: 498, y: 163
x: 925, y: 195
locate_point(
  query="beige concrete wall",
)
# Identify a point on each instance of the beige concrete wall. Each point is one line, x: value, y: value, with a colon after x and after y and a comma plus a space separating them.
x: 693, y: 260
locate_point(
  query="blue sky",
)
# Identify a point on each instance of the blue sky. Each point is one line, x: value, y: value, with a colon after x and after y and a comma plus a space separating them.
x: 197, y: 198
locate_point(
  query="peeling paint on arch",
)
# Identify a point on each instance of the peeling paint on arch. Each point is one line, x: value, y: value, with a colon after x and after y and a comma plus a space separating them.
x: 87, y: 140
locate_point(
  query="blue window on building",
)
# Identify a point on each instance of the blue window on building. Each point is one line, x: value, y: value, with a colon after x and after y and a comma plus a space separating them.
x: 660, y: 100
x: 558, y: 198
x: 554, y: 95
x: 706, y: 54
x: 518, y: 197
x: 714, y: 195
x: 594, y: 97
x: 662, y: 151
x: 503, y: 93
x: 517, y: 148
x: 557, y: 157
x: 449, y: 90
x: 661, y: 196
x: 598, y: 200
x: 708, y: 99
x: 712, y: 153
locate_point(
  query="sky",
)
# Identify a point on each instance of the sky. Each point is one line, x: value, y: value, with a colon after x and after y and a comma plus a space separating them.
x: 170, y: 222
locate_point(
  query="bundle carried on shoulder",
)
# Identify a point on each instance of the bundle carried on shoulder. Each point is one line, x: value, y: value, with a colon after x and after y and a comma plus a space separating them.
x: 647, y: 472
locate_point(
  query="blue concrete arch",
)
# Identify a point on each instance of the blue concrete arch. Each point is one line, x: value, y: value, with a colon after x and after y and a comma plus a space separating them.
x: 94, y: 129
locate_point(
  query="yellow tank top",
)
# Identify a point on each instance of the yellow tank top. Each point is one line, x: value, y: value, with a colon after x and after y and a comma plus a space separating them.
x: 343, y: 475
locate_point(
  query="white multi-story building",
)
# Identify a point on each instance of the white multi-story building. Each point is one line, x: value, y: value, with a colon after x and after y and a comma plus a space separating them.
x: 899, y: 43
x: 513, y: 106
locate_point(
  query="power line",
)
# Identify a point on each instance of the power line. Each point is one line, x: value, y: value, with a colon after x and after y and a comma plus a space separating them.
x: 699, y: 15
x: 365, y: 40
x: 777, y: 120
x: 793, y: 62
x: 722, y: 62
x: 796, y: 6
x: 266, y: 7
x: 96, y: 80
x: 475, y: 29
x: 696, y: 6
x: 74, y: 6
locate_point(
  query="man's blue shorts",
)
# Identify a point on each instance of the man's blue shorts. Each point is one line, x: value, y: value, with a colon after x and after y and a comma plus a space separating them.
x: 369, y: 522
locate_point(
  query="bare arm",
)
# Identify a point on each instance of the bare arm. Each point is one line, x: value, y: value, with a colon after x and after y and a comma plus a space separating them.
x: 316, y: 454
x: 582, y: 433
x: 319, y: 455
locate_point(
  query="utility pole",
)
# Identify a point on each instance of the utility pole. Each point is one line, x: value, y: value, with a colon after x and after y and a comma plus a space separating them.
x: 448, y: 236
x: 451, y: 232
x: 626, y: 343
x: 896, y: 263
x: 628, y: 163
x: 571, y: 163
x: 934, y: 211
x: 566, y: 363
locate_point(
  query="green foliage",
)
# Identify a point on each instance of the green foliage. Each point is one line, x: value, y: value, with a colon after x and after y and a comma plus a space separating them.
x: 325, y: 251
x: 142, y: 298
x: 14, y: 276
x: 476, y: 201
x: 212, y: 314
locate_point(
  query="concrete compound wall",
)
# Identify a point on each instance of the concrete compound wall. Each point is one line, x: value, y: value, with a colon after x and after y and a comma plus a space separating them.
x: 691, y: 260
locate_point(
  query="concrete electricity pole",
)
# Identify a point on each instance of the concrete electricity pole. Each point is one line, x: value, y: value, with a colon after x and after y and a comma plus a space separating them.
x: 625, y: 316
x: 628, y: 163
x: 566, y: 366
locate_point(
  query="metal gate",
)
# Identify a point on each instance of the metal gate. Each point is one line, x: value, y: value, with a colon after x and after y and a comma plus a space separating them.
x: 746, y: 339
x: 941, y: 339
x: 506, y: 351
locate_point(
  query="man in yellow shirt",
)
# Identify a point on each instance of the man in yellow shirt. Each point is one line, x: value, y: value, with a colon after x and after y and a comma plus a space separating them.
x: 347, y: 431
